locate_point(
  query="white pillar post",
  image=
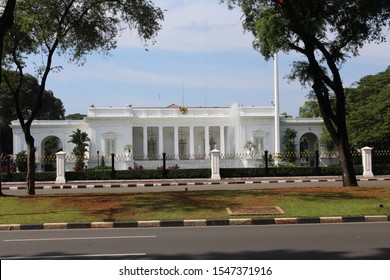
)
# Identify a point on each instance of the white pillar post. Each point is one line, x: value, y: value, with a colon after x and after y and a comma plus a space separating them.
x: 215, y: 164
x: 367, y: 162
x: 192, y: 142
x: 222, y: 139
x: 145, y: 141
x: 60, y: 160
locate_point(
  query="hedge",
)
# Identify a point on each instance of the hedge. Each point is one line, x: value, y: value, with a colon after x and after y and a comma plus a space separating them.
x: 193, y: 173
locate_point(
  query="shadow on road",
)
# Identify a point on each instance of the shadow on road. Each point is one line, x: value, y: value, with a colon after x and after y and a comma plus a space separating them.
x: 381, y: 254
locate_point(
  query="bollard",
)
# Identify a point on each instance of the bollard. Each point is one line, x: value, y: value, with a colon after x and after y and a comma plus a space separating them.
x: 60, y: 160
x: 215, y: 162
x: 367, y: 162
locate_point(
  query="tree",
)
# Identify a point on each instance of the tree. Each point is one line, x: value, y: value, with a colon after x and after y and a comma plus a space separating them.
x: 368, y: 111
x: 74, y: 28
x: 289, y: 143
x: 326, y: 33
x: 80, y: 139
x: 6, y: 22
x: 310, y: 108
x: 75, y: 116
x: 52, y: 107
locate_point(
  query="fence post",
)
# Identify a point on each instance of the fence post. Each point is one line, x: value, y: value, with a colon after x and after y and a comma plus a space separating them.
x: 317, y: 163
x: 215, y: 162
x: 112, y: 166
x: 60, y: 160
x: 367, y: 162
x: 9, y: 167
x: 164, y: 158
x: 266, y: 163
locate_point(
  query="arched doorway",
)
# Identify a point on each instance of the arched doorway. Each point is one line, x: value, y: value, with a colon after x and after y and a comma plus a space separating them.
x: 49, y: 147
x: 308, y: 144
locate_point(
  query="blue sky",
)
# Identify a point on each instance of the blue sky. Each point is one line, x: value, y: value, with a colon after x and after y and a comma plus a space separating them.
x: 201, y: 58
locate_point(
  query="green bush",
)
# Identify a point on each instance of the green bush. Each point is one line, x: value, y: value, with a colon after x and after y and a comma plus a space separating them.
x: 144, y: 174
x: 21, y: 177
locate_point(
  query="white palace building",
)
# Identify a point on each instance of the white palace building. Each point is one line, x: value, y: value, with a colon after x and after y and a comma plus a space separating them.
x: 185, y: 134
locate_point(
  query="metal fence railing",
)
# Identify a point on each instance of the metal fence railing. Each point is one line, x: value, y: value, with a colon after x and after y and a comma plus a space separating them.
x: 18, y: 163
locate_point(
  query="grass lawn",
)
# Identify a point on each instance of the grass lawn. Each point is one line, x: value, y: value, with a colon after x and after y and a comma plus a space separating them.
x: 297, y: 202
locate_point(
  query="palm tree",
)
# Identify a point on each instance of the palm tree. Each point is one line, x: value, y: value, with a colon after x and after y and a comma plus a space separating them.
x: 80, y: 139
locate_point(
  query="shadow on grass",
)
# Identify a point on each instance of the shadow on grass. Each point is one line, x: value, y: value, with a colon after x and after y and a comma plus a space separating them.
x: 115, y: 207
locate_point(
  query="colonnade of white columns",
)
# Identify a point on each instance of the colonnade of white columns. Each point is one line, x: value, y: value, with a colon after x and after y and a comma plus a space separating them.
x: 191, y: 133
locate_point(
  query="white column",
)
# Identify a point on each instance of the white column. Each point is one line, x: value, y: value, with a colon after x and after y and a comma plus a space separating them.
x: 192, y: 142
x: 215, y: 162
x: 207, y: 141
x: 145, y: 140
x: 276, y: 104
x: 176, y: 141
x: 367, y: 162
x: 160, y: 140
x: 222, y: 139
x: 60, y: 160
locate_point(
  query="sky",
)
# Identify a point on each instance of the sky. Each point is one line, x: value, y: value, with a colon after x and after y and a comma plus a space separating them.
x: 201, y: 57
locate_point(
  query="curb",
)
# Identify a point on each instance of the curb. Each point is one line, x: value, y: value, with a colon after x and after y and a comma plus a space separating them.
x: 175, y: 184
x: 196, y: 223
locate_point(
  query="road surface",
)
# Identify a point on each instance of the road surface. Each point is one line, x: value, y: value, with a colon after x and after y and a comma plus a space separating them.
x: 273, y: 242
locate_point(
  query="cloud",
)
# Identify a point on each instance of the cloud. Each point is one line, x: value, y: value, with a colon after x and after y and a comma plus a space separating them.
x: 196, y: 26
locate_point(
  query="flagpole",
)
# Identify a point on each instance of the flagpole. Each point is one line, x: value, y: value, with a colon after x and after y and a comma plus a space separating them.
x: 276, y: 104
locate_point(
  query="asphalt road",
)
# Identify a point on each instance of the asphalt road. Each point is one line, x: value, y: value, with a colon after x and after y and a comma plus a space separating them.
x: 295, y: 242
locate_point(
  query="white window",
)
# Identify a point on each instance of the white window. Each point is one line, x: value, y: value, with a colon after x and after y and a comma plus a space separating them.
x: 110, y: 146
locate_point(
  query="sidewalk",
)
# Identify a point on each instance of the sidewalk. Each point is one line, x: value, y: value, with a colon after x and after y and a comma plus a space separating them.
x: 182, y: 182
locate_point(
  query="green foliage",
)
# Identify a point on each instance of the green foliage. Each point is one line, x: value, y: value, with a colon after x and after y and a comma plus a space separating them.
x: 310, y: 110
x: 52, y: 107
x: 80, y: 140
x: 368, y: 111
x: 249, y: 145
x: 78, y: 27
x: 21, y: 161
x: 280, y: 171
x: 73, y: 28
x: 76, y: 116
x: 288, y: 141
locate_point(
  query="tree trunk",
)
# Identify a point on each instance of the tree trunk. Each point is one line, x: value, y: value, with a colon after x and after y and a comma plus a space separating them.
x: 349, y: 176
x: 31, y: 163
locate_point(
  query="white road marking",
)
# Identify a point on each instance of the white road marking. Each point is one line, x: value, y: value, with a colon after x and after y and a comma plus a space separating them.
x: 78, y: 238
x: 75, y: 256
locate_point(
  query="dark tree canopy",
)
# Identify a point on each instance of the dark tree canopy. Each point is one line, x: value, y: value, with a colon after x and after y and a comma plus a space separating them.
x: 368, y: 111
x: 52, y: 107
